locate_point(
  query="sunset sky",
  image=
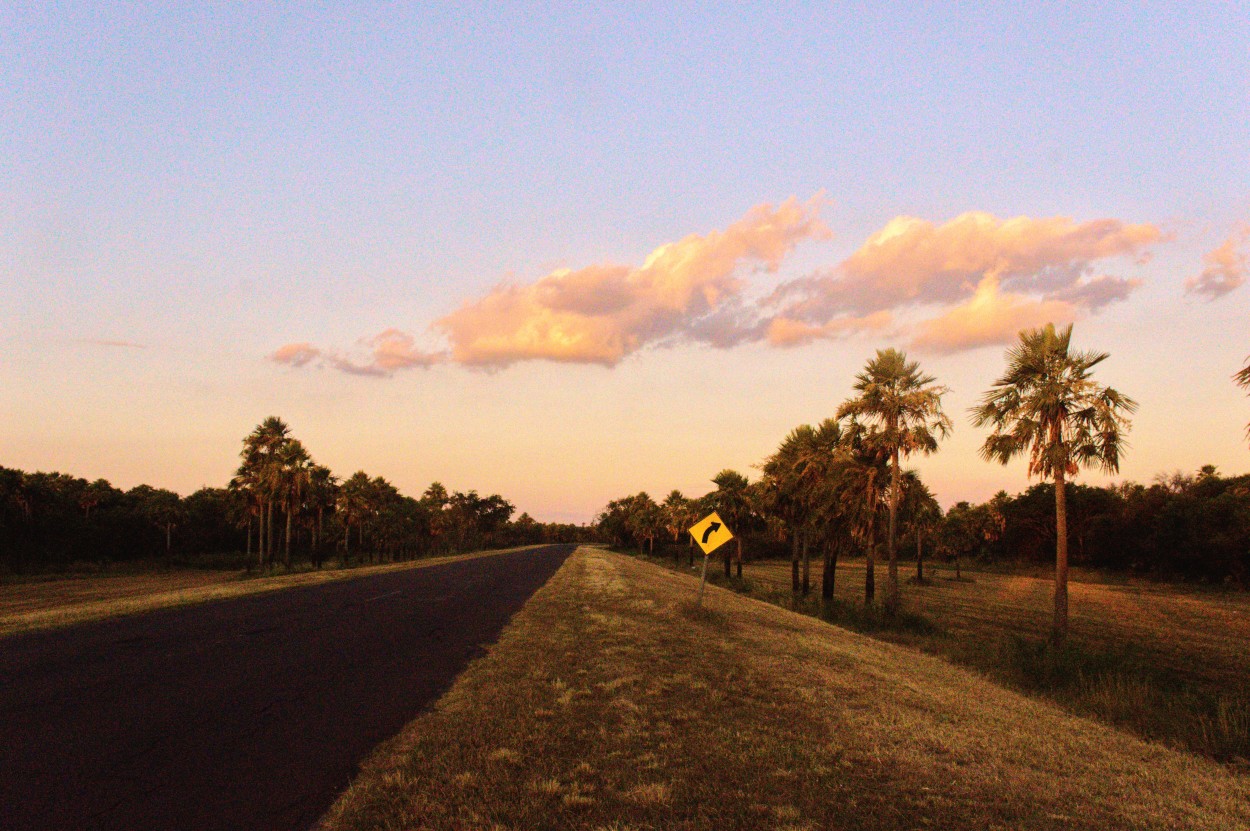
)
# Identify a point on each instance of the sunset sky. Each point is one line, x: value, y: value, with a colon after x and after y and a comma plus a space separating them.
x: 570, y: 255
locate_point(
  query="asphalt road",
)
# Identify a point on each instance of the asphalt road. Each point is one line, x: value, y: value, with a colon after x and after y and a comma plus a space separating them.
x: 251, y: 713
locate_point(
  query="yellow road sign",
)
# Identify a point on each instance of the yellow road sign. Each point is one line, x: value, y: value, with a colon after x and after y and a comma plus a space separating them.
x: 711, y: 533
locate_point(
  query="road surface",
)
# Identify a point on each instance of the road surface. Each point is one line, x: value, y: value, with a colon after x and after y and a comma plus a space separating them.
x: 251, y: 713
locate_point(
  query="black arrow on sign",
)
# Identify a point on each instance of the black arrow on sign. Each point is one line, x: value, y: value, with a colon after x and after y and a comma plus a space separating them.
x: 711, y: 529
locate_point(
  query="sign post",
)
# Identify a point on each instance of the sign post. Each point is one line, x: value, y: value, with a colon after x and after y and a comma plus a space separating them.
x: 710, y: 533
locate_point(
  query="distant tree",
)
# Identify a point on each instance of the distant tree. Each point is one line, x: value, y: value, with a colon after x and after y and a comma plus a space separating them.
x: 161, y: 508
x: 1048, y: 405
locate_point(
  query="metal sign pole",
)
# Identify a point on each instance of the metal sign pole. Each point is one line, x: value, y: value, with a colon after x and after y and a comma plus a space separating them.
x: 702, y: 580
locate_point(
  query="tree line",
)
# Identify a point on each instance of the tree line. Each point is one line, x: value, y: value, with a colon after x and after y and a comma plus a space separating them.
x: 280, y: 509
x: 840, y: 487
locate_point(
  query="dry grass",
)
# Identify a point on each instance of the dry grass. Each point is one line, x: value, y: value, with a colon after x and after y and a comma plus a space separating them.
x: 1199, y: 634
x: 47, y: 604
x: 1166, y: 661
x: 611, y: 703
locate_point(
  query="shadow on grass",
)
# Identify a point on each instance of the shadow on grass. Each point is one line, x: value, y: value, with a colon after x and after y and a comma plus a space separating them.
x: 1120, y: 685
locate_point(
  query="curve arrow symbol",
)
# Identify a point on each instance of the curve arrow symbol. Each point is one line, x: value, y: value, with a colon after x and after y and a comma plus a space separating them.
x: 711, y: 529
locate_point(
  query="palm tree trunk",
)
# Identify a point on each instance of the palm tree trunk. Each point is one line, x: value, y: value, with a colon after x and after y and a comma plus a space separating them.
x: 919, y: 558
x: 1061, y: 560
x: 830, y: 573
x: 728, y: 561
x: 807, y: 566
x: 248, y: 558
x: 794, y: 562
x: 690, y: 553
x: 269, y: 531
x: 317, y: 542
x: 738, y: 549
x: 286, y: 554
x: 870, y: 580
x: 891, y: 543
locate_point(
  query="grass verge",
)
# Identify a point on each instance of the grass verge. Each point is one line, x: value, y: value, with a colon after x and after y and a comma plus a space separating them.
x: 1165, y: 662
x: 48, y: 604
x: 610, y: 702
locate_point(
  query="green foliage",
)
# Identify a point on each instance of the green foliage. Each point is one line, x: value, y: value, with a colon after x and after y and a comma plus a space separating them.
x: 1048, y: 406
x: 1191, y: 527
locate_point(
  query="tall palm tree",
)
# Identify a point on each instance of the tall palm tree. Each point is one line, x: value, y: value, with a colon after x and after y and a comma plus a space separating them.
x: 858, y: 492
x: 260, y: 474
x: 353, y: 507
x: 784, y: 487
x: 322, y: 493
x: 294, y: 465
x: 1243, y: 380
x: 905, y: 405
x: 1048, y: 405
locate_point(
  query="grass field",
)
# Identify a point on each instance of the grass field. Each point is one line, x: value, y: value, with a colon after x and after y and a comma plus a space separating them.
x: 610, y: 702
x: 27, y: 605
x: 1169, y: 662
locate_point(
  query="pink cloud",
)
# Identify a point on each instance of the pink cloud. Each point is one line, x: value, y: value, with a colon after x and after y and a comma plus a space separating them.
x: 985, y: 272
x: 685, y: 290
x: 1225, y: 268
x: 384, y: 353
x: 989, y: 317
x: 915, y: 262
x: 296, y: 354
x: 784, y: 331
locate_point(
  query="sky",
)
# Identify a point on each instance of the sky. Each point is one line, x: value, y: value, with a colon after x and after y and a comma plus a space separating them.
x: 566, y: 253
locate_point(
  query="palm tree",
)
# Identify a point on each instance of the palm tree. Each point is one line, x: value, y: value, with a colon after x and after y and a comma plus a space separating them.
x: 645, y: 520
x: 859, y: 491
x: 731, y: 503
x: 322, y: 494
x: 1243, y: 380
x: 1046, y: 404
x: 676, y: 519
x: 260, y: 474
x: 905, y: 405
x: 921, y: 512
x: 783, y: 490
x: 353, y: 507
x: 294, y: 465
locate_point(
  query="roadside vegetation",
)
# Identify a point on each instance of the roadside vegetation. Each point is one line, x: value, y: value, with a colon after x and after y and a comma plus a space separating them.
x: 280, y: 512
x: 610, y: 702
x: 1166, y: 662
x: 836, y: 493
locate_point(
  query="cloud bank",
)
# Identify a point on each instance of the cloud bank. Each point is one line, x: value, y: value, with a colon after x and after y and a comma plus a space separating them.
x: 974, y: 281
x: 685, y: 290
x: 1224, y: 269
